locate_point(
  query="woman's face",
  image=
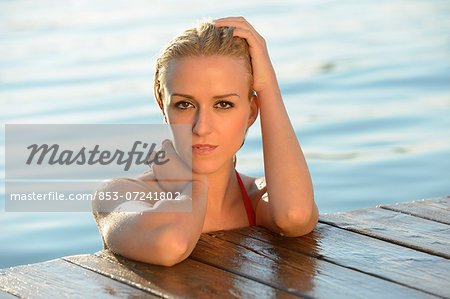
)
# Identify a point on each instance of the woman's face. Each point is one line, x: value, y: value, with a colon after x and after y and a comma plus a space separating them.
x: 211, y: 95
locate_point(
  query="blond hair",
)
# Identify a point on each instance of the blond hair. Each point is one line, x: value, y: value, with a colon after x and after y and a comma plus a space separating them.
x: 203, y: 40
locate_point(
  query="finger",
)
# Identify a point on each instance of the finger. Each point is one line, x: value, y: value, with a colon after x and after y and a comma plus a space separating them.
x: 240, y: 25
x: 171, y: 152
x: 176, y: 169
x: 237, y: 19
x: 167, y: 146
x: 253, y: 42
x: 227, y: 22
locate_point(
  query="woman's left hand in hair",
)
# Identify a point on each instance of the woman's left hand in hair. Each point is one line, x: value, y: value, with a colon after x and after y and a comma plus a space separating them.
x: 263, y: 73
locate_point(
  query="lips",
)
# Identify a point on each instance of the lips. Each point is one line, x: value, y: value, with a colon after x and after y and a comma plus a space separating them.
x: 203, y: 149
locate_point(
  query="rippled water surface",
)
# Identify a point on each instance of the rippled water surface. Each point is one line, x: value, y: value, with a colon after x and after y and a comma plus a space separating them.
x: 366, y: 84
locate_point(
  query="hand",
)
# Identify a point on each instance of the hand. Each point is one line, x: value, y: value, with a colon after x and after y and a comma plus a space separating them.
x: 263, y: 73
x: 174, y: 175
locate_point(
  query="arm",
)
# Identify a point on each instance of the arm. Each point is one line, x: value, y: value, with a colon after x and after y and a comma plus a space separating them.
x: 290, y: 208
x: 289, y: 183
x: 151, y: 231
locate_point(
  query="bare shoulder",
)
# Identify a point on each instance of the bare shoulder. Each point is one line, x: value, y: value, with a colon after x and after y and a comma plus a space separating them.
x: 255, y: 187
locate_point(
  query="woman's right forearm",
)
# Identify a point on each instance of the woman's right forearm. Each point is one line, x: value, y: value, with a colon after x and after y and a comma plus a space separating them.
x: 164, y: 234
x: 187, y: 216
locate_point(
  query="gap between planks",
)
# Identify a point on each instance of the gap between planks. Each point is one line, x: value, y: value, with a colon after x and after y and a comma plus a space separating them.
x: 318, y: 257
x: 434, y: 209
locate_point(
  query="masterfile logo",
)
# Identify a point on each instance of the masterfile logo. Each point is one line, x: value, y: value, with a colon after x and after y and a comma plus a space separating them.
x: 59, y: 167
x: 67, y: 157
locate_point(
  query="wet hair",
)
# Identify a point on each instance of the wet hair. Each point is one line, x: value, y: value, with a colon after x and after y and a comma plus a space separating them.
x: 203, y: 40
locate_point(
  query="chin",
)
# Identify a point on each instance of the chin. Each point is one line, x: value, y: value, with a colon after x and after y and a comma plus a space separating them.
x: 205, y: 167
x: 201, y: 169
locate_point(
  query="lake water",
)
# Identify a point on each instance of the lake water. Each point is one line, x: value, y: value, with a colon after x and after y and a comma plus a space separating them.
x: 366, y: 84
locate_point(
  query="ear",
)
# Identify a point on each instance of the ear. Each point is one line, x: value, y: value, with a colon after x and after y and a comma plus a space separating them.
x: 254, y: 110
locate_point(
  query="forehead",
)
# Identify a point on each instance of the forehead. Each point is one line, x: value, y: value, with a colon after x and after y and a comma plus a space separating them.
x: 217, y: 73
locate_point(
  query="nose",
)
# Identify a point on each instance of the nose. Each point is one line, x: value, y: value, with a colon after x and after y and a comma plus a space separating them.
x: 202, y: 122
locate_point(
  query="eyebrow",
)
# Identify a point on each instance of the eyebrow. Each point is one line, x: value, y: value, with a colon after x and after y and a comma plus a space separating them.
x: 214, y: 97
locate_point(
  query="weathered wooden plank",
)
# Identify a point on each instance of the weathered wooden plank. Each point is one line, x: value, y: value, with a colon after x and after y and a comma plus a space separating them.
x: 188, y: 279
x: 292, y: 271
x: 59, y: 278
x: 436, y: 209
x: 406, y: 266
x: 406, y: 230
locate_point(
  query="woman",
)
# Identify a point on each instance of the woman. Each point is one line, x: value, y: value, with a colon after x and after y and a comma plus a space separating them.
x: 216, y: 78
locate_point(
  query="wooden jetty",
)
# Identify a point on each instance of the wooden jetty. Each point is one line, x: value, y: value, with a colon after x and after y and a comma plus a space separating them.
x: 390, y: 251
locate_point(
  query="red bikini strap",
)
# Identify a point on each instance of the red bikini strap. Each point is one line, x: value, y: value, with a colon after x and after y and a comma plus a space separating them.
x: 248, y: 205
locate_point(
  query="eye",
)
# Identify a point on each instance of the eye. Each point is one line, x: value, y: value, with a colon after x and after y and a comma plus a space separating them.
x: 183, y: 105
x: 223, y: 105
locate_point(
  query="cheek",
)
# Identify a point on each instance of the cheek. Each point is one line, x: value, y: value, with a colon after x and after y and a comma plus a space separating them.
x: 174, y: 117
x: 236, y: 128
x: 180, y: 118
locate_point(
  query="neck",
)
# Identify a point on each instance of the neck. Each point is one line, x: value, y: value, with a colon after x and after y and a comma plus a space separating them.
x: 222, y: 184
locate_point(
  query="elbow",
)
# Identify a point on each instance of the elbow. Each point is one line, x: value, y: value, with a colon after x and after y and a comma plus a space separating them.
x: 164, y: 248
x: 296, y: 223
x: 167, y: 248
x: 171, y: 248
